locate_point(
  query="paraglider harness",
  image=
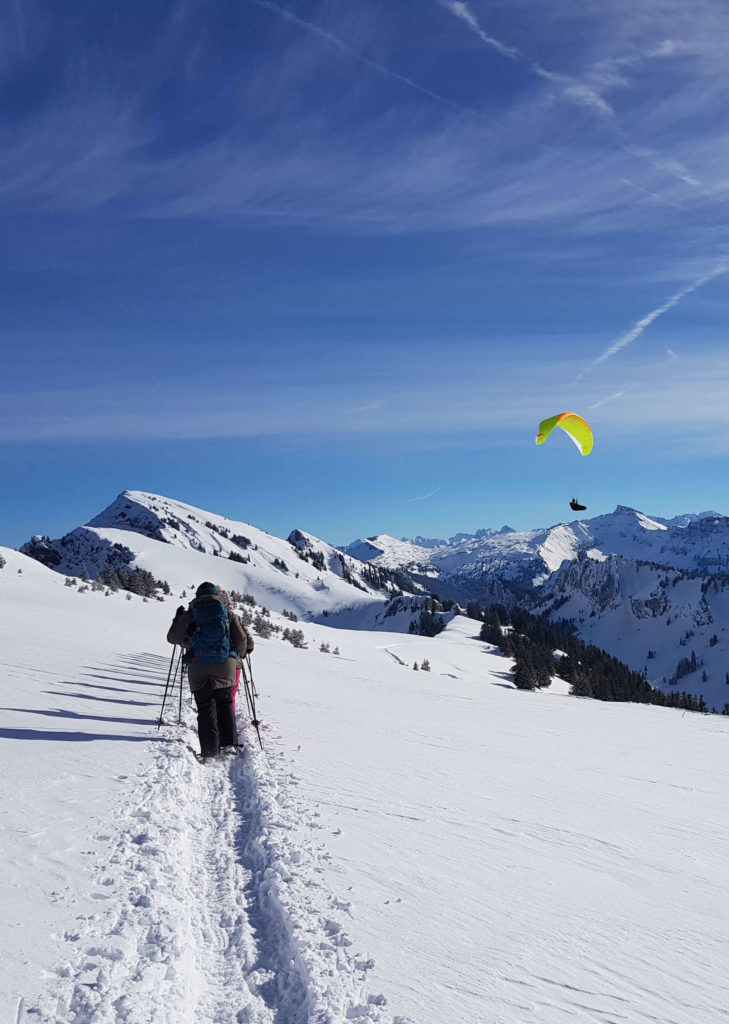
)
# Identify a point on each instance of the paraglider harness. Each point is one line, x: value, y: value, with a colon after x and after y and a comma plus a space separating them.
x: 576, y: 507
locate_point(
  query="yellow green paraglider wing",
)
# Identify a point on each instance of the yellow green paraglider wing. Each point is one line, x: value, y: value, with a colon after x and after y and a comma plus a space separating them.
x: 573, y: 425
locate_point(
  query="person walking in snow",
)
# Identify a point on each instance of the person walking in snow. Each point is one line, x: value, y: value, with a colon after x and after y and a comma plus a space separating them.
x: 214, y: 639
x: 241, y: 654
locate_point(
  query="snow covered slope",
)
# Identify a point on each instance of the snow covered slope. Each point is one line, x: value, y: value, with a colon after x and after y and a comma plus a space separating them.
x: 410, y: 847
x: 651, y: 618
x: 143, y: 887
x: 302, y: 574
x: 391, y: 553
x: 648, y: 590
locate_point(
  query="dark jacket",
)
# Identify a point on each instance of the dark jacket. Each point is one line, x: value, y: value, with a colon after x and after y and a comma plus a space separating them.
x: 199, y: 673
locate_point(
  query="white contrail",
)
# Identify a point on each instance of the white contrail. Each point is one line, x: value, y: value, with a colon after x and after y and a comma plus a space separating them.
x: 430, y: 494
x: 283, y: 12
x: 604, y: 401
x: 637, y: 329
x: 460, y: 10
x: 578, y: 91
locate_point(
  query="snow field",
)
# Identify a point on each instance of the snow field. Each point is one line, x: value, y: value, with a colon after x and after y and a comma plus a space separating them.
x: 411, y: 847
x: 153, y: 888
x: 517, y: 856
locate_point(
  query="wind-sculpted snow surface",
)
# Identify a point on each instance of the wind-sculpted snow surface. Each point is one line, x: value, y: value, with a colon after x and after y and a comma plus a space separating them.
x: 218, y: 913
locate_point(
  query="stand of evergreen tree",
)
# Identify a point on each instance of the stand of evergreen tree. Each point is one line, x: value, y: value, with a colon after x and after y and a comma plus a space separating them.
x: 136, y: 581
x: 235, y: 557
x: 389, y: 580
x: 532, y: 640
x: 263, y: 626
x: 295, y: 637
x: 430, y: 624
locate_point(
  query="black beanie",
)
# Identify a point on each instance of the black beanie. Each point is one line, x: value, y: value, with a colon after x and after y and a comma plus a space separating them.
x: 206, y: 588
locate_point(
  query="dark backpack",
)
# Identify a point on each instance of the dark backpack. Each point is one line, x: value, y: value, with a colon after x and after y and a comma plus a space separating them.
x: 210, y: 640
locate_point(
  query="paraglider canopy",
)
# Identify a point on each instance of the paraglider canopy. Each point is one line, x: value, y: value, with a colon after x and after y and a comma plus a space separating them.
x: 573, y: 425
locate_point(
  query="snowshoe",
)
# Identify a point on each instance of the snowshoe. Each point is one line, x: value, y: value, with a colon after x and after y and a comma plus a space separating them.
x: 205, y: 758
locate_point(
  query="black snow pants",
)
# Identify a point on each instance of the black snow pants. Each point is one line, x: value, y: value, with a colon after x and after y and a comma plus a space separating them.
x: 215, y: 719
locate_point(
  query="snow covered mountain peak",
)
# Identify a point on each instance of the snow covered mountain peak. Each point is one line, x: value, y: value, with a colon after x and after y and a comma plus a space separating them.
x: 169, y: 521
x: 183, y: 545
x: 137, y: 511
x: 624, y: 513
x: 388, y: 552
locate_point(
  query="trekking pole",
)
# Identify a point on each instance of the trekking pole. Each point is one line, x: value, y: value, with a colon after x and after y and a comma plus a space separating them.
x: 250, y: 672
x: 167, y: 684
x: 245, y: 691
x: 251, y: 701
x: 182, y: 673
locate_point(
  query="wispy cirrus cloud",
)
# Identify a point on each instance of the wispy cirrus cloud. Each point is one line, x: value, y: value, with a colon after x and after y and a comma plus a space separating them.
x: 499, y: 407
x: 322, y: 398
x: 425, y: 162
x: 78, y: 155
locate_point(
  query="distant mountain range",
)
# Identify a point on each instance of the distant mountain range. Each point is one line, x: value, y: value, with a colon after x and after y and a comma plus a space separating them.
x: 434, y: 542
x: 654, y: 592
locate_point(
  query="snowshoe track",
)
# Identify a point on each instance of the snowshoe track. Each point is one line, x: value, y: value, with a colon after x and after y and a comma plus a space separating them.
x: 178, y: 945
x: 217, y: 909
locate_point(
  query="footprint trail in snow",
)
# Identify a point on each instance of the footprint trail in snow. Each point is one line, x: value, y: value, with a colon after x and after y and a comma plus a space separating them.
x: 213, y: 909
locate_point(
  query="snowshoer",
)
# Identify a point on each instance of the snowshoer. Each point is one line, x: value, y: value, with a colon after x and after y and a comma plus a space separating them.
x: 214, y: 639
x: 576, y: 507
x: 241, y: 654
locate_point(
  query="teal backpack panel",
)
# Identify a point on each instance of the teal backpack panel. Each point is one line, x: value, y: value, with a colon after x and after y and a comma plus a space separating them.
x: 211, y: 640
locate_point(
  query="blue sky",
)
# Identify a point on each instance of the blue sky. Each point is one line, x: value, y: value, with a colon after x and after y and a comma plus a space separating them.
x: 328, y: 264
